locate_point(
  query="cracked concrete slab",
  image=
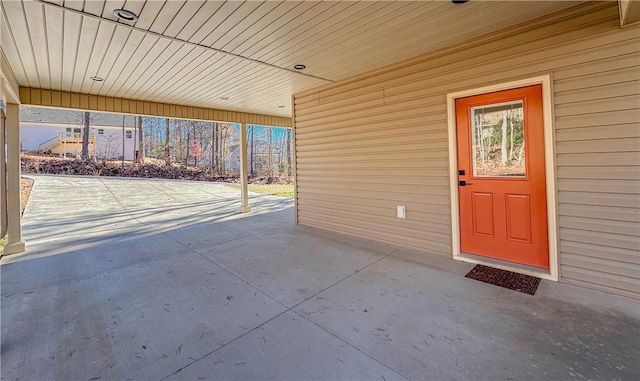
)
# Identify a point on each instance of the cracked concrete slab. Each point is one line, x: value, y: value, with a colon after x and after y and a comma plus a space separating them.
x: 142, y: 321
x: 430, y: 322
x: 268, y: 353
x: 291, y: 265
x: 156, y: 279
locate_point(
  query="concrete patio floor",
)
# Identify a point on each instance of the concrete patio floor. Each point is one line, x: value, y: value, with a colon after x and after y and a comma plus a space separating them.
x: 141, y: 279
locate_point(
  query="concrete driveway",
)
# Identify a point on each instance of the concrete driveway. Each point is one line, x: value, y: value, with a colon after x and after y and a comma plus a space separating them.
x: 142, y: 279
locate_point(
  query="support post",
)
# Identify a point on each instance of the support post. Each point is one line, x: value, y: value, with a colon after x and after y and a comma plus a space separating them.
x: 3, y: 175
x: 244, y: 178
x: 294, y: 161
x: 14, y: 224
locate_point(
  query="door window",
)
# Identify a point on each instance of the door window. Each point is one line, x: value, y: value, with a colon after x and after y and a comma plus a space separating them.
x: 497, y: 134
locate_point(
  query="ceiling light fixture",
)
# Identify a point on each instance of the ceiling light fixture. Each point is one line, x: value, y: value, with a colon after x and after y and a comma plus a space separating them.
x: 125, y: 15
x: 299, y: 67
x: 97, y: 79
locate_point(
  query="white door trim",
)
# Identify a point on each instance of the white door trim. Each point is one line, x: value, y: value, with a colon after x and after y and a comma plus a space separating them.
x: 549, y: 156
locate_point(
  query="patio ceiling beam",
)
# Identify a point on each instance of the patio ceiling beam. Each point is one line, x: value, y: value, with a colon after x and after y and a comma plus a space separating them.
x: 88, y: 102
x: 9, y: 88
x: 629, y: 11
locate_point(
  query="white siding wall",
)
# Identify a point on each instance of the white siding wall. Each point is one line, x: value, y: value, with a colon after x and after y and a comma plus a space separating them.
x: 108, y: 145
x: 370, y: 143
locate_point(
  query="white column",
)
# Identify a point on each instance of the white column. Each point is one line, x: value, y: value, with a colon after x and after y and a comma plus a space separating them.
x: 14, y: 227
x: 244, y: 179
x: 3, y: 178
x: 294, y: 159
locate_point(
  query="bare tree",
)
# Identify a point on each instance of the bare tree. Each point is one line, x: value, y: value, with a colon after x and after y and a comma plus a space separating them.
x: 270, y: 151
x: 252, y: 152
x: 215, y: 149
x: 289, y: 152
x: 186, y: 156
x: 85, y: 136
x: 110, y: 147
x: 123, y: 141
x: 511, y: 143
x: 140, y: 158
x: 503, y: 145
x: 167, y: 148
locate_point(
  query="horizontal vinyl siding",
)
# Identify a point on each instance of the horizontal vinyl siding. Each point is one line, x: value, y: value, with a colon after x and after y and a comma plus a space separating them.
x: 368, y: 144
x: 598, y: 170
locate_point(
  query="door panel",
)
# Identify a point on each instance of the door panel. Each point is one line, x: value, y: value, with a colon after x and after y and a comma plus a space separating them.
x: 518, y: 217
x: 503, y: 205
x: 482, y: 214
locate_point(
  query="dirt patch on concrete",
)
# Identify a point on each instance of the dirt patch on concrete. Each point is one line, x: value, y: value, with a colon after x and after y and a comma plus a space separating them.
x: 25, y: 191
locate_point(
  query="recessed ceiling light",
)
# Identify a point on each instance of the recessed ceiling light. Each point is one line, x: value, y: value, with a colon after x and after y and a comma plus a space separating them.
x: 281, y: 106
x: 125, y: 15
x: 97, y: 79
x: 224, y: 98
x: 299, y: 67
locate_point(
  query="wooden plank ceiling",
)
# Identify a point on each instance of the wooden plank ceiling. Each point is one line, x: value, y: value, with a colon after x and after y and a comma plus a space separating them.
x: 233, y: 55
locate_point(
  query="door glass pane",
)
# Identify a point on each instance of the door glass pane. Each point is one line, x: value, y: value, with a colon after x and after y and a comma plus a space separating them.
x: 497, y: 134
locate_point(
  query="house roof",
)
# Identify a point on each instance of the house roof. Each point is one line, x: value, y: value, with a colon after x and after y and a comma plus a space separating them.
x: 61, y: 116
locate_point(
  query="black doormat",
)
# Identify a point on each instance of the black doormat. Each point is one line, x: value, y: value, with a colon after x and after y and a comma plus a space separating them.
x: 507, y: 279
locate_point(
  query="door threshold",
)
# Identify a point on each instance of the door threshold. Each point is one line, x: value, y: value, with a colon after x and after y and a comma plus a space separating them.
x: 503, y: 265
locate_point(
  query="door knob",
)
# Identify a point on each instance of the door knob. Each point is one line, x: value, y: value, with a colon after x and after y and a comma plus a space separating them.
x: 463, y: 183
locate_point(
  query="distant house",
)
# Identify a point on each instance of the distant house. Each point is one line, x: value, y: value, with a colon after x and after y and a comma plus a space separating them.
x: 259, y: 157
x: 59, y: 132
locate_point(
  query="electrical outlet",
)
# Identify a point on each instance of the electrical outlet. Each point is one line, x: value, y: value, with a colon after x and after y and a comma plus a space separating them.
x: 402, y: 212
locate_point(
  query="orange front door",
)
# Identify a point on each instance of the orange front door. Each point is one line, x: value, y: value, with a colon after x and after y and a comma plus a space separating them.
x: 501, y: 173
